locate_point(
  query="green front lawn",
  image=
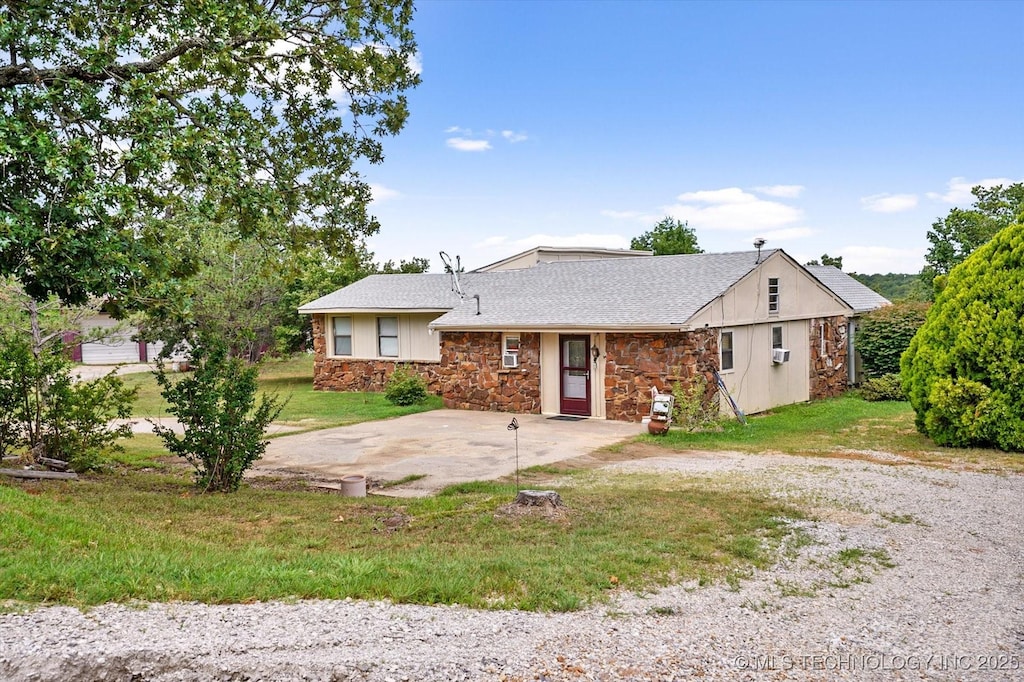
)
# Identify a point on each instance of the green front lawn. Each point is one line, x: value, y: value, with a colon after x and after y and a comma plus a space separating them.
x: 292, y: 379
x: 143, y: 533
x: 838, y: 427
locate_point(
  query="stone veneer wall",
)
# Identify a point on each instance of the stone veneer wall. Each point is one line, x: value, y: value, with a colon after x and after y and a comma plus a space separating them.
x: 470, y: 376
x: 637, y: 362
x: 829, y: 373
x: 339, y: 374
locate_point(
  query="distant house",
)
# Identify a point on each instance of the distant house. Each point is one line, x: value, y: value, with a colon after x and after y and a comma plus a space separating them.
x: 859, y: 297
x: 110, y: 342
x: 591, y: 337
x: 557, y: 254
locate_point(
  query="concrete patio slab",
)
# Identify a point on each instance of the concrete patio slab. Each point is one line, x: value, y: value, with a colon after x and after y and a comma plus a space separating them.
x: 447, y: 446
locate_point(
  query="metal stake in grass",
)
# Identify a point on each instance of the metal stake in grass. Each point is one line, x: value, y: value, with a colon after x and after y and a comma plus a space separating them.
x: 514, y: 427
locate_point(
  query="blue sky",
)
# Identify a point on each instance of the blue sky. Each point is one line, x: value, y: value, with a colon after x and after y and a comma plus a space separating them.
x: 844, y: 128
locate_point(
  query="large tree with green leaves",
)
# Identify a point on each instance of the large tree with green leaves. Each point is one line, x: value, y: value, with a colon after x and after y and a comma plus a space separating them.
x: 669, y: 237
x: 247, y: 295
x: 120, y: 118
x: 962, y: 231
x: 963, y: 372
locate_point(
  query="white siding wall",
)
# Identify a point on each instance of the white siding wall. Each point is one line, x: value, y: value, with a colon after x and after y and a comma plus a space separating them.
x: 414, y: 341
x: 116, y: 347
x: 755, y: 382
x: 550, y: 398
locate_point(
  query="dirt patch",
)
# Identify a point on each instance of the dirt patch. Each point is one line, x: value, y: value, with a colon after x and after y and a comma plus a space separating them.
x: 626, y: 452
x: 560, y: 514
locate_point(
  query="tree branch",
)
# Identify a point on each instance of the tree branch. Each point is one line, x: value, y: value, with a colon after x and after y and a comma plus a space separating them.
x: 24, y: 74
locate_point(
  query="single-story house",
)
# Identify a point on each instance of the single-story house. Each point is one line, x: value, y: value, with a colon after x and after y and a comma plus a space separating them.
x: 591, y: 337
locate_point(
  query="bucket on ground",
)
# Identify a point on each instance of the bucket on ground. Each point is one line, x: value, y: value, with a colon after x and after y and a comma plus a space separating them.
x: 353, y: 485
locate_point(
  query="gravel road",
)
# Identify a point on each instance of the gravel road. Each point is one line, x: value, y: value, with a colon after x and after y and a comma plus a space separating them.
x: 906, y: 573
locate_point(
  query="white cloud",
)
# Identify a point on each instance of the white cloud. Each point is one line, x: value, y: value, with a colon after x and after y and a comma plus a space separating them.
x: 958, y: 190
x: 732, y: 208
x: 889, y: 203
x: 633, y: 216
x: 781, y: 191
x: 787, y: 233
x: 869, y: 260
x: 467, y: 140
x: 729, y: 195
x: 416, y: 63
x: 382, y: 193
x: 603, y: 241
x: 465, y: 145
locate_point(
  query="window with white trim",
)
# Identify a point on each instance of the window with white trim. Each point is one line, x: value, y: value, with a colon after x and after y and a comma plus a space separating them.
x: 510, y: 351
x: 387, y: 337
x: 511, y: 344
x: 342, y: 335
x: 726, y: 350
x: 776, y: 336
x: 773, y: 295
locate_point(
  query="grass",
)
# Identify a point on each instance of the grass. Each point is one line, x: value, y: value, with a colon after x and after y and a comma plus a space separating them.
x: 141, y: 532
x: 292, y: 379
x: 847, y: 426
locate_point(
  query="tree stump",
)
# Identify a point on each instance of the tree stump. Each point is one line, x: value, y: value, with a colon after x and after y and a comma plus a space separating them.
x: 538, y: 498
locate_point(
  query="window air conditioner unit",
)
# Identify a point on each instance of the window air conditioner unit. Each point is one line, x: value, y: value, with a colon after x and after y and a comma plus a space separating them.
x: 510, y: 360
x: 780, y: 355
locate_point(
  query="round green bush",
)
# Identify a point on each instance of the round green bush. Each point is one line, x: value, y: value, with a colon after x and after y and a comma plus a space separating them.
x: 964, y: 370
x: 404, y: 388
x: 885, y: 387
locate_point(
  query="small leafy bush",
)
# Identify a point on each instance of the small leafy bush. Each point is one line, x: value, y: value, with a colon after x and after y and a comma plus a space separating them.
x: 885, y: 387
x: 224, y: 425
x: 78, y: 428
x: 14, y: 383
x: 47, y: 414
x: 693, y: 410
x: 404, y: 388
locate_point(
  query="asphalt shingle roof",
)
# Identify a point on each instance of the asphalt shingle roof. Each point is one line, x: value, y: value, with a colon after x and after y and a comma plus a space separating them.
x: 642, y: 291
x: 386, y: 292
x: 858, y: 296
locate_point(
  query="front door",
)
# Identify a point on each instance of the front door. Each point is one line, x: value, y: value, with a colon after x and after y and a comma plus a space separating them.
x: 575, y: 361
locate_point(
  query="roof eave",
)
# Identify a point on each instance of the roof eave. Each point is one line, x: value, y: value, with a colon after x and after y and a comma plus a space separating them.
x: 452, y: 327
x: 369, y: 311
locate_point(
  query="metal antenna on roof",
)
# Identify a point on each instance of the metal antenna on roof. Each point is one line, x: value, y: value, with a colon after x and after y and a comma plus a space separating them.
x: 758, y: 243
x: 453, y: 272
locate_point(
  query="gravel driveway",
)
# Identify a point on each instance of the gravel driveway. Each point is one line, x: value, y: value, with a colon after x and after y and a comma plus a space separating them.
x: 905, y: 573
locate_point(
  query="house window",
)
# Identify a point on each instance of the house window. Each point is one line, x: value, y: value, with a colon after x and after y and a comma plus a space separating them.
x: 387, y: 337
x: 510, y: 351
x: 776, y: 336
x: 821, y: 339
x: 725, y: 345
x: 343, y: 336
x: 773, y: 295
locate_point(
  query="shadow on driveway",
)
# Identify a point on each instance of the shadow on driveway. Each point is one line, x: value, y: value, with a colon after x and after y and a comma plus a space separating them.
x: 448, y: 446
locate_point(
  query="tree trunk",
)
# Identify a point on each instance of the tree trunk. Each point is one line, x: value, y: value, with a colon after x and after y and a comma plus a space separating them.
x: 538, y: 498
